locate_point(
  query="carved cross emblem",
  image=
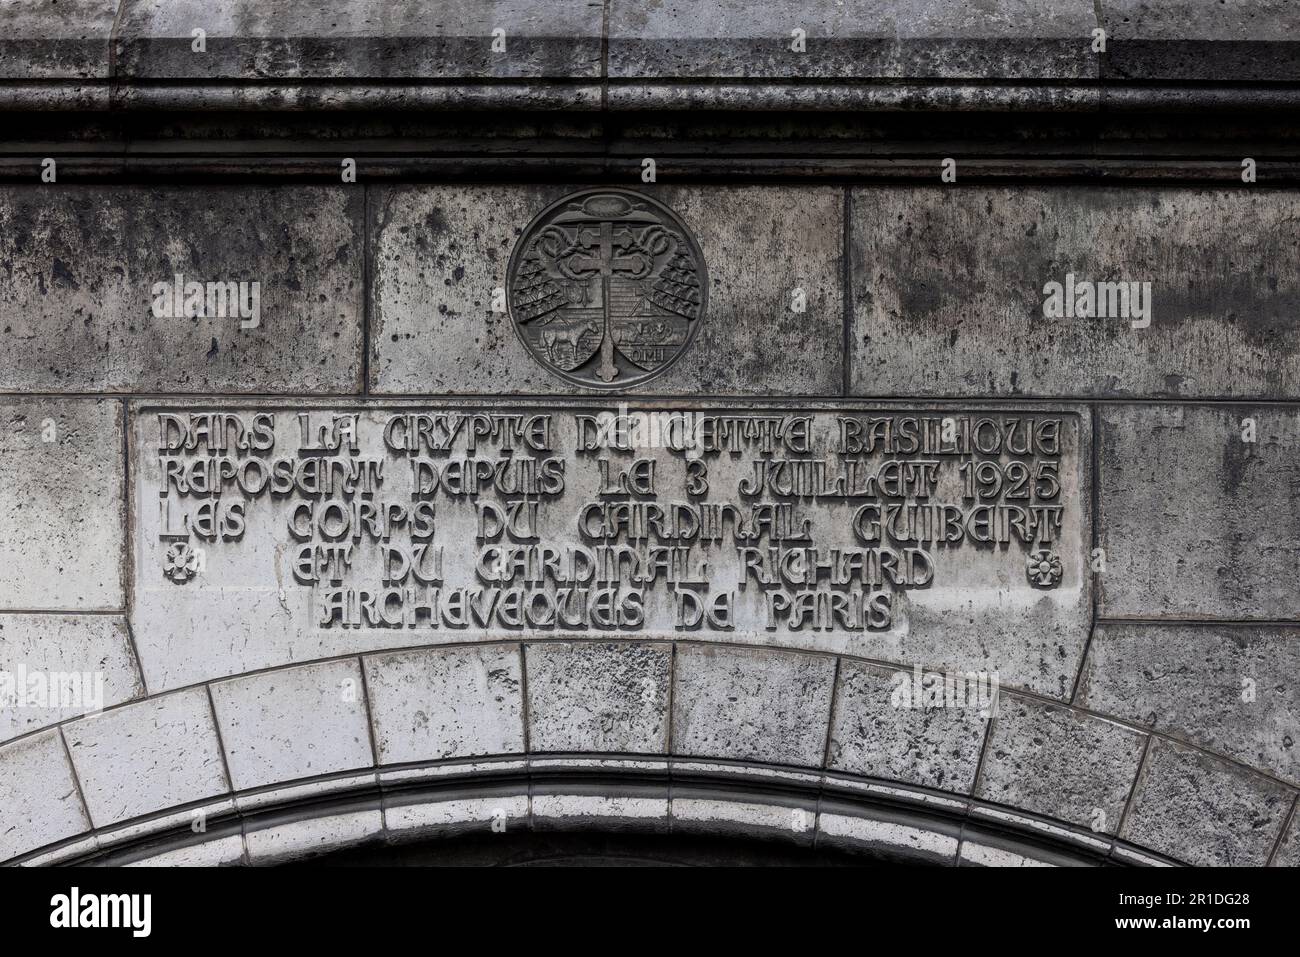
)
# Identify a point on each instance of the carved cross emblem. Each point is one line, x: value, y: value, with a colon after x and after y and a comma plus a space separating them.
x: 650, y: 295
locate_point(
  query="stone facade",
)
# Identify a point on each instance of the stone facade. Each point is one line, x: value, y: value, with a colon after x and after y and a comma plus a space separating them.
x: 1147, y: 694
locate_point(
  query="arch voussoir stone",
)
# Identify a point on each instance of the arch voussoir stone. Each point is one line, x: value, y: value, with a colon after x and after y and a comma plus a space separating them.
x: 647, y: 736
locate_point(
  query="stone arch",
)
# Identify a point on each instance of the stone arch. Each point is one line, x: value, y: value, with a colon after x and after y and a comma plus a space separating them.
x: 756, y: 806
x: 647, y: 737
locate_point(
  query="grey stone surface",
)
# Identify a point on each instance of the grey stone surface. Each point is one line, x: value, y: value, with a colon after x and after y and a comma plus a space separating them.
x: 56, y: 39
x: 360, y: 39
x: 985, y: 853
x: 147, y: 756
x: 598, y: 696
x: 290, y: 840
x: 251, y: 605
x: 1080, y: 838
x: 886, y: 836
x: 305, y: 790
x: 62, y: 542
x: 772, y: 818
x: 63, y: 666
x: 1288, y: 851
x: 948, y: 292
x: 936, y: 747
x: 798, y: 95
x: 1227, y: 688
x: 408, y: 819
x: 446, y: 703
x: 356, y: 98
x: 751, y: 704
x: 1195, y: 521
x: 850, y: 39
x: 1061, y: 763
x: 293, y: 723
x: 1032, y: 638
x: 363, y: 54
x: 559, y: 809
x: 1129, y: 856
x: 219, y: 852
x: 77, y: 298
x: 1204, y: 811
x: 439, y: 252
x: 39, y: 795
x: 1200, y: 40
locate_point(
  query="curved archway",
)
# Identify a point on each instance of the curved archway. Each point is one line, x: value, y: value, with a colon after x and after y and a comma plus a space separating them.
x: 604, y: 809
x: 670, y: 738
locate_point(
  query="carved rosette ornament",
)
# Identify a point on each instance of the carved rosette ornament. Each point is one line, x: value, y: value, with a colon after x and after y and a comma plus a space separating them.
x: 1044, y: 568
x: 607, y: 288
x: 180, y: 563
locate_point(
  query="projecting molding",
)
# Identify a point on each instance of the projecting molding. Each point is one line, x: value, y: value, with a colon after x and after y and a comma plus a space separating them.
x: 822, y: 54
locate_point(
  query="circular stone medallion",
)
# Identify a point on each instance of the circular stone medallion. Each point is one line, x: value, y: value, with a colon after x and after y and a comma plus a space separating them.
x: 607, y: 288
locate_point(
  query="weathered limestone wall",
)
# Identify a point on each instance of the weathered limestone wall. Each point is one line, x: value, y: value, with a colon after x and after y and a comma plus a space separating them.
x: 645, y: 54
x: 1147, y: 659
x: 1157, y: 713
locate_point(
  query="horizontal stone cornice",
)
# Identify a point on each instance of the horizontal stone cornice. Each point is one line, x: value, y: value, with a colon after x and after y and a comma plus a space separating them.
x: 875, y: 55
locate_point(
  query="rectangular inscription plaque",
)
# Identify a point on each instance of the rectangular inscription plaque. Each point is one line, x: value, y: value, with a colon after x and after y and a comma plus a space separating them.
x: 946, y: 536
